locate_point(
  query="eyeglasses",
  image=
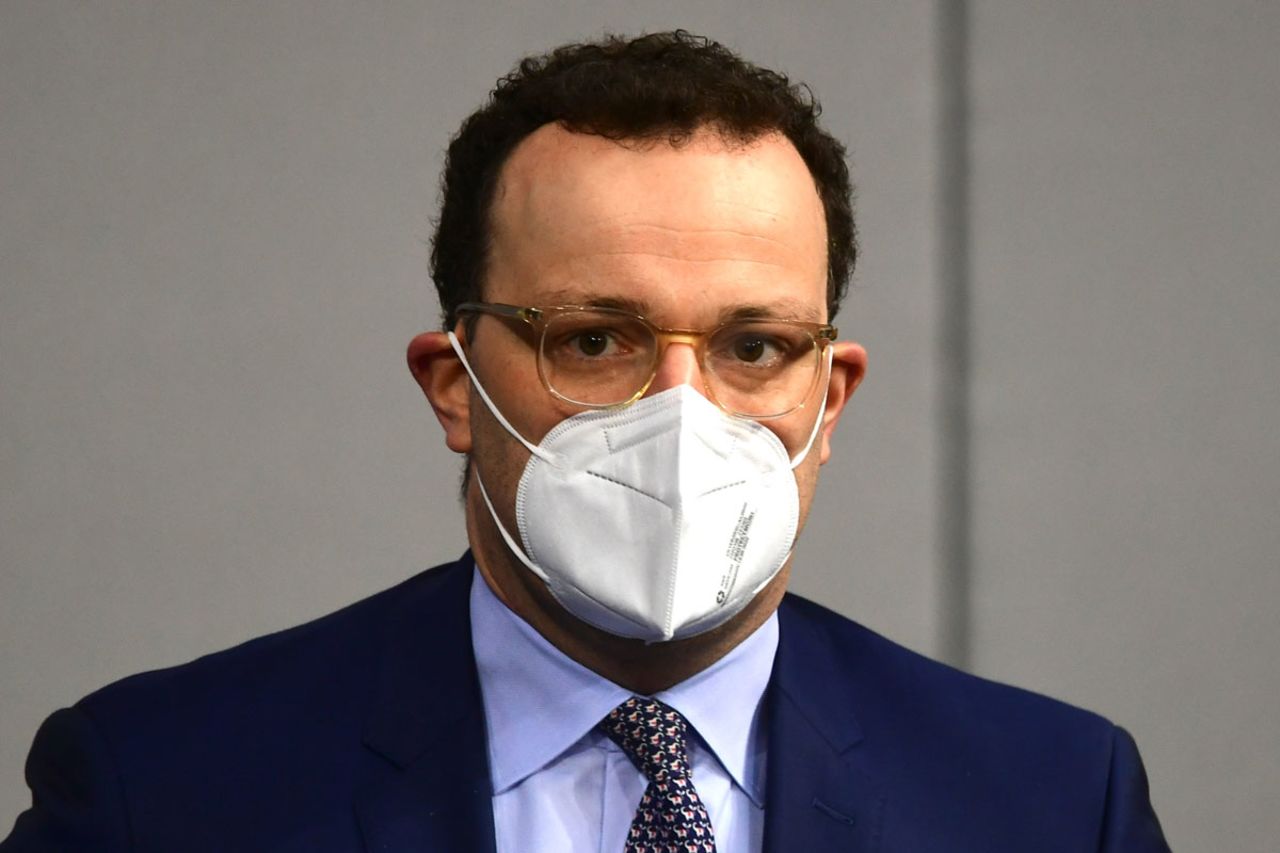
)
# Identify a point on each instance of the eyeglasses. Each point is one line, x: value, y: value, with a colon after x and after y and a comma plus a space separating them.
x: 605, y: 358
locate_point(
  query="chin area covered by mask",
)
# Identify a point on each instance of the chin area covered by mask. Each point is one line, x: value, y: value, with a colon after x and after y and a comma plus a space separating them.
x: 657, y: 521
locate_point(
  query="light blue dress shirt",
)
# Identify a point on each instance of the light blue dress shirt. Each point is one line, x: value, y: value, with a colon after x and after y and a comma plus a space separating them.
x: 560, y: 785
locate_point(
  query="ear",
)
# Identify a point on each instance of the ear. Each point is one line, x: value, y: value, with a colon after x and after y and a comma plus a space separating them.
x: 848, y: 366
x: 441, y: 376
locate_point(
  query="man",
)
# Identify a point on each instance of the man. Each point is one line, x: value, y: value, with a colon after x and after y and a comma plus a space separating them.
x: 641, y: 248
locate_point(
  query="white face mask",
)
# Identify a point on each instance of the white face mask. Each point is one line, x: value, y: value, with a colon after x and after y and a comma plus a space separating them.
x: 657, y: 521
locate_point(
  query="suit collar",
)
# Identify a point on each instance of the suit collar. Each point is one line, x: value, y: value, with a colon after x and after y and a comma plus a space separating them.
x: 819, y: 794
x: 428, y: 723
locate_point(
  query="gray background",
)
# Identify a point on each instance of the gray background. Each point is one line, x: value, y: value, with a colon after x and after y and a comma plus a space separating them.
x: 1062, y: 470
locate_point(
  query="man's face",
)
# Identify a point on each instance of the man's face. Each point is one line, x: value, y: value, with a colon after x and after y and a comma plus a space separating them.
x: 688, y: 237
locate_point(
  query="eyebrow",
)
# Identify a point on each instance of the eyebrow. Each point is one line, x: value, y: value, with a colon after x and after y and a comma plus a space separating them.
x: 782, y: 309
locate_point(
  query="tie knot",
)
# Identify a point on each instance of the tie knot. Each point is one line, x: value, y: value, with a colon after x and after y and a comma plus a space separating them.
x: 652, y: 735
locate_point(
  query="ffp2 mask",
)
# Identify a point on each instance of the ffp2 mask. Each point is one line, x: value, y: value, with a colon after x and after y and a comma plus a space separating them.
x: 657, y: 521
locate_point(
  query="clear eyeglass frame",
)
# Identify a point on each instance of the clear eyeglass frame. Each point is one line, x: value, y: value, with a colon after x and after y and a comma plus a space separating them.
x: 538, y: 318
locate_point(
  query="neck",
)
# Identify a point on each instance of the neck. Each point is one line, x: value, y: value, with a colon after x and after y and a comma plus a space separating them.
x: 643, y: 668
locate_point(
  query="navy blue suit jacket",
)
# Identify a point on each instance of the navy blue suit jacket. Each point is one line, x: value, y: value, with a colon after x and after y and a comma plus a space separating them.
x: 364, y: 731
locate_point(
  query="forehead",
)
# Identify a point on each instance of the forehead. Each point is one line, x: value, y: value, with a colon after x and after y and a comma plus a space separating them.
x: 702, y: 227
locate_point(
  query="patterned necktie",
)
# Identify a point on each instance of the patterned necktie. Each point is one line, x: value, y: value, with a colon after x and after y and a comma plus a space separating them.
x: 670, y: 818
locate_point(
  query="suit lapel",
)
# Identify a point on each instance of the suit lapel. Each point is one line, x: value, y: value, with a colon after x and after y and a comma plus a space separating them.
x: 428, y: 728
x: 428, y: 724
x: 817, y: 796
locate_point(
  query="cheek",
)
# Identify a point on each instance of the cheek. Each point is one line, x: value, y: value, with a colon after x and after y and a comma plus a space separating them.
x: 497, y: 456
x: 513, y: 385
x: 794, y: 433
x: 807, y: 486
x: 497, y: 459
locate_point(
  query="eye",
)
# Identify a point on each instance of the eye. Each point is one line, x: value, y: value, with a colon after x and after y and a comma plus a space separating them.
x: 750, y: 348
x: 591, y: 343
x: 591, y: 337
x: 755, y: 349
x: 758, y: 347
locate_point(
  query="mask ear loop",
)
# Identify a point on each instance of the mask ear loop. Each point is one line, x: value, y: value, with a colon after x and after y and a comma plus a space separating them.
x: 484, y: 493
x: 532, y: 448
x: 822, y: 410
x: 508, y: 538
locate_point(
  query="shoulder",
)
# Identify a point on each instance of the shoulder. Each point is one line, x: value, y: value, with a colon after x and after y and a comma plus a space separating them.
x: 983, y: 765
x: 329, y: 665
x: 192, y: 757
x: 898, y: 676
x: 925, y: 714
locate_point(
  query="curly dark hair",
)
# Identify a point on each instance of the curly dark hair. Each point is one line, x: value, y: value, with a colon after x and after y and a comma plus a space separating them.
x: 662, y: 86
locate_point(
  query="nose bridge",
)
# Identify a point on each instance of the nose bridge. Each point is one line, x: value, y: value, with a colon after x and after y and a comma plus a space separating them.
x: 666, y: 337
x: 678, y: 365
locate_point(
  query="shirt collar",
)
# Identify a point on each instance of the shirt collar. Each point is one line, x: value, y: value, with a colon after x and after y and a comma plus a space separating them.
x: 538, y: 702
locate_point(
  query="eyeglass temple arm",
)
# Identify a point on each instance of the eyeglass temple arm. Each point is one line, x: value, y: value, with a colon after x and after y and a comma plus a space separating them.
x: 528, y: 315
